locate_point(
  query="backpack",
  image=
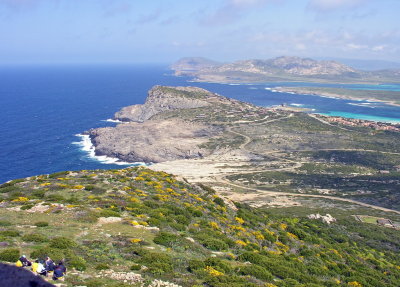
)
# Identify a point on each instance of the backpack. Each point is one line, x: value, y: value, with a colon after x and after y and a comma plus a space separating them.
x: 19, y: 263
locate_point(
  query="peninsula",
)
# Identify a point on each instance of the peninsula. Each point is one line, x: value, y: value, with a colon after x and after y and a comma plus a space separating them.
x: 232, y: 145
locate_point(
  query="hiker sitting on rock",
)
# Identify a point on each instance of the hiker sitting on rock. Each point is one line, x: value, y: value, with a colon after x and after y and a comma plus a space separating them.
x: 59, y: 271
x: 35, y: 266
x: 49, y: 265
x: 25, y: 262
x: 38, y: 268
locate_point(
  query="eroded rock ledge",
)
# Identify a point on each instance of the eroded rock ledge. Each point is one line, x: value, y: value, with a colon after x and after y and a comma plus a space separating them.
x: 146, y: 138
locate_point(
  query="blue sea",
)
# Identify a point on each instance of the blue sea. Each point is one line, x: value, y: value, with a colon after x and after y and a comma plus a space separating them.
x: 43, y: 109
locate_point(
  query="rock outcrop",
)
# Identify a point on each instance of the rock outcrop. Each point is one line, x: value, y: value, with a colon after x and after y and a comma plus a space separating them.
x: 152, y: 141
x: 161, y: 99
x: 144, y: 138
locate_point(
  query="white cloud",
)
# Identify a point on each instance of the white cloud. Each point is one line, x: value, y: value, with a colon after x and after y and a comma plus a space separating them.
x: 331, y: 5
x: 326, y: 42
x: 231, y: 10
x: 379, y: 48
x: 353, y: 46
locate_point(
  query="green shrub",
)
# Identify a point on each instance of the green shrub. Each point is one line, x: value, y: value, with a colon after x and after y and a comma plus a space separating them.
x: 214, y: 244
x: 195, y: 212
x: 9, y: 255
x: 158, y: 263
x: 58, y: 174
x: 136, y: 267
x: 43, y: 252
x: 109, y: 213
x: 102, y: 266
x: 41, y: 224
x: 255, y: 271
x: 5, y: 223
x: 9, y: 233
x: 252, y: 257
x: 8, y: 189
x: 38, y: 194
x: 62, y: 243
x: 182, y: 219
x: 27, y: 206
x: 34, y: 237
x: 219, y: 264
x: 196, y: 264
x: 55, y: 198
x: 219, y: 201
x: 207, y: 188
x: 166, y: 239
x: 159, y: 268
x: 78, y: 263
x: 99, y: 190
x: 89, y: 187
x: 177, y: 226
x: 15, y: 194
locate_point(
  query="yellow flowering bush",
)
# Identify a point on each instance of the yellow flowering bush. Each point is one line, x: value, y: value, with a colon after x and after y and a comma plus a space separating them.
x: 258, y: 235
x: 239, y: 220
x: 214, y: 225
x: 291, y: 235
x: 354, y: 284
x: 241, y: 243
x: 213, y: 272
x: 134, y: 199
x: 21, y: 199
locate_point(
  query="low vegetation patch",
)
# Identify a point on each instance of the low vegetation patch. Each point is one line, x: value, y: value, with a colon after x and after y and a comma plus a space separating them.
x: 186, y: 235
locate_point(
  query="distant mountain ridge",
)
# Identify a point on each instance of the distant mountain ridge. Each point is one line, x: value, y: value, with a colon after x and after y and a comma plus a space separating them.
x: 280, y: 68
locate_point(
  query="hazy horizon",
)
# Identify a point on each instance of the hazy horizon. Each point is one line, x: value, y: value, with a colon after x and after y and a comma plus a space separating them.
x: 127, y: 32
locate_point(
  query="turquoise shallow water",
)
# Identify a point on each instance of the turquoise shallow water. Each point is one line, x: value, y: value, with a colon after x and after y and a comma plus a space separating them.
x: 362, y: 117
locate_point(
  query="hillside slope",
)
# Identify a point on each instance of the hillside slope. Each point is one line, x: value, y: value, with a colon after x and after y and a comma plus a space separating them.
x: 134, y: 227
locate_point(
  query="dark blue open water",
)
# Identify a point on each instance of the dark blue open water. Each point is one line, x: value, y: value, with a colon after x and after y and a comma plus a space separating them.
x: 43, y: 108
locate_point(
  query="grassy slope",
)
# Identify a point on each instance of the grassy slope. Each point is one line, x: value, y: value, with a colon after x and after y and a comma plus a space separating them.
x: 200, y: 239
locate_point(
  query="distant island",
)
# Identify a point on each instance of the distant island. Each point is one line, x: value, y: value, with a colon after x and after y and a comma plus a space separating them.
x: 288, y: 69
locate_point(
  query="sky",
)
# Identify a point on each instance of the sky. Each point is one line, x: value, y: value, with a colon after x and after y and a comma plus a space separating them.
x: 162, y: 31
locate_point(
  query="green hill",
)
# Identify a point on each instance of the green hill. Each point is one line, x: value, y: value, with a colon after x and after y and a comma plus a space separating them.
x: 137, y: 227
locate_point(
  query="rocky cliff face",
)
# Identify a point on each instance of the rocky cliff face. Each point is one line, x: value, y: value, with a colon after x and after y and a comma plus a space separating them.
x: 145, y: 139
x: 161, y: 99
x: 153, y: 141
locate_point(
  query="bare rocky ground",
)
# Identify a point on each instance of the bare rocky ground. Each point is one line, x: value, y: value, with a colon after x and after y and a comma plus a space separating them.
x: 153, y: 141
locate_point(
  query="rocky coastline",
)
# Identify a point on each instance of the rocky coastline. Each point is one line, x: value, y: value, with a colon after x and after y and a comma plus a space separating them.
x: 142, y: 137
